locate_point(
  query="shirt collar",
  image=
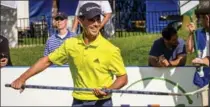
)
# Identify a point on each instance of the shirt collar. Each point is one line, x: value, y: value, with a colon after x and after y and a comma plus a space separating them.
x: 95, y: 43
x: 66, y: 36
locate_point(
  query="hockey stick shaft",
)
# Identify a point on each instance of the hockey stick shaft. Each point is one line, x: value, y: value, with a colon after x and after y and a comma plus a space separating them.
x: 90, y: 89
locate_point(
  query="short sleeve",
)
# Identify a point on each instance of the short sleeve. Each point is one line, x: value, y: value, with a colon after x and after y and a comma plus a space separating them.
x: 46, y: 49
x: 181, y: 49
x: 156, y: 49
x: 116, y: 64
x: 105, y: 6
x: 59, y: 56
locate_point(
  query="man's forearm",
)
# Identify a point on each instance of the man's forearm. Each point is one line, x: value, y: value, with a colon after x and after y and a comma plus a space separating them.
x: 75, y: 24
x: 179, y: 61
x: 206, y: 60
x: 154, y: 61
x: 39, y: 66
x: 119, y: 82
x: 106, y: 19
x: 190, y: 43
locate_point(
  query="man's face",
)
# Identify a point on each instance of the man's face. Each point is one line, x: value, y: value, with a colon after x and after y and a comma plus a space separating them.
x: 61, y: 23
x: 173, y: 41
x: 204, y: 20
x: 91, y: 26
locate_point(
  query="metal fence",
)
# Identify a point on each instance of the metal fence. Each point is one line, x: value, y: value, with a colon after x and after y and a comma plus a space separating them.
x: 136, y: 23
x: 32, y: 32
x: 36, y: 31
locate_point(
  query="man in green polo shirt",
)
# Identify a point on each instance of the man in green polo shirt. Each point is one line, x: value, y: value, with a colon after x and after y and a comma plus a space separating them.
x: 93, y: 61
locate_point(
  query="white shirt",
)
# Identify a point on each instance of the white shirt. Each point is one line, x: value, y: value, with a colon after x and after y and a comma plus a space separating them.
x: 206, y: 50
x: 63, y: 36
x: 105, y: 6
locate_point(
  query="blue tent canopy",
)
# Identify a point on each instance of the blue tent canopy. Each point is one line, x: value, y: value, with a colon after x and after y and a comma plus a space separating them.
x: 68, y: 6
x: 144, y: 10
x: 126, y: 11
x: 41, y: 10
x: 44, y: 7
x: 157, y: 8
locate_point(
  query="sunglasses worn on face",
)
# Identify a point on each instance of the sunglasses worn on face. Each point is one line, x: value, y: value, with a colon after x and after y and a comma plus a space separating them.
x: 96, y: 18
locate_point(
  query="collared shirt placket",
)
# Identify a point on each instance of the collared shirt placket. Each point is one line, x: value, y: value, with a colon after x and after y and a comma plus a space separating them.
x: 84, y: 56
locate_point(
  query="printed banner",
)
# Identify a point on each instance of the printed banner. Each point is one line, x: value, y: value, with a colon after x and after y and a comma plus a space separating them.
x: 171, y: 80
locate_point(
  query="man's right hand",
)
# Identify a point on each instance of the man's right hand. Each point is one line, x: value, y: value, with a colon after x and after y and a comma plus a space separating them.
x: 18, y: 84
x: 163, y: 62
x: 191, y: 27
x: 197, y: 62
x: 99, y: 93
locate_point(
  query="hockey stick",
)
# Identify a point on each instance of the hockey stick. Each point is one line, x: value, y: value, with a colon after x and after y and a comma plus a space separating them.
x: 109, y: 90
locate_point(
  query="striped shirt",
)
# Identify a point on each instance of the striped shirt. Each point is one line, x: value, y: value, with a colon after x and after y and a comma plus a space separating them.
x: 55, y: 41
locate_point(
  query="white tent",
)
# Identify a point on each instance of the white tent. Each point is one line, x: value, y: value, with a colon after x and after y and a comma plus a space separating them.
x: 8, y: 22
x: 11, y: 4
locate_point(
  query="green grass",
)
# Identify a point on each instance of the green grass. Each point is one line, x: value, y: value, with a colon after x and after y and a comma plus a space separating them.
x: 134, y: 50
x: 26, y: 56
x: 30, y: 41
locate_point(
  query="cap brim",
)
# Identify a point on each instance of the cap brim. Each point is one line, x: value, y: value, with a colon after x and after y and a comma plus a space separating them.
x: 60, y: 17
x: 92, y: 14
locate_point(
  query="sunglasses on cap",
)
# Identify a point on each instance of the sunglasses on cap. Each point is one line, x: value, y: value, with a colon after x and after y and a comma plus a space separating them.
x: 59, y: 18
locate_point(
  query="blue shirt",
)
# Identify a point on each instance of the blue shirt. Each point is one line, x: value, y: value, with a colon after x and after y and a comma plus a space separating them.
x: 55, y: 41
x: 201, y: 44
x: 201, y: 39
x: 159, y: 49
x: 202, y: 81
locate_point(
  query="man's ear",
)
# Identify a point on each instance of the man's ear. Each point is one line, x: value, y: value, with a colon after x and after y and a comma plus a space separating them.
x: 79, y: 20
x: 165, y: 40
x: 207, y: 17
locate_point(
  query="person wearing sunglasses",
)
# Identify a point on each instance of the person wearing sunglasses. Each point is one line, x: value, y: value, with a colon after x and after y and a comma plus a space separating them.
x: 105, y: 17
x: 62, y: 33
x: 92, y: 59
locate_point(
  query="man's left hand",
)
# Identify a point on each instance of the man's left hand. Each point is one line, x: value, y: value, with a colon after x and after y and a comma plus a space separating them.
x: 197, y: 62
x: 163, y: 61
x: 99, y: 93
x: 3, y: 62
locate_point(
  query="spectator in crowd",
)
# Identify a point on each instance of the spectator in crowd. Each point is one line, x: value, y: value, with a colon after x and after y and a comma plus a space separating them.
x: 106, y: 10
x: 169, y: 50
x: 201, y: 45
x: 202, y: 37
x: 203, y: 81
x: 55, y: 40
x: 93, y: 62
x: 5, y: 59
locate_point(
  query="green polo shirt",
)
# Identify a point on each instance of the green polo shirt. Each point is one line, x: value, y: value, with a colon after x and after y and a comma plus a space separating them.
x: 92, y: 66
